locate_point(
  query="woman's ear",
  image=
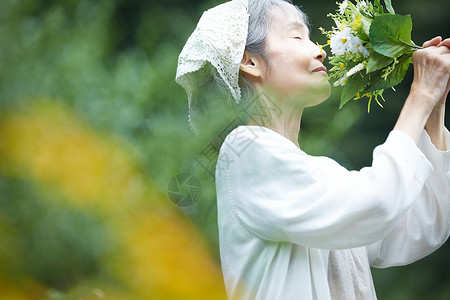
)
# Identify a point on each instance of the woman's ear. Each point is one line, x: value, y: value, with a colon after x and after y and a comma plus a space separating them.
x: 252, y: 66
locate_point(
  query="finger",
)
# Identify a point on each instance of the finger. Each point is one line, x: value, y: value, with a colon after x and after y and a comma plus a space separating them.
x: 436, y: 50
x: 433, y: 42
x: 445, y: 42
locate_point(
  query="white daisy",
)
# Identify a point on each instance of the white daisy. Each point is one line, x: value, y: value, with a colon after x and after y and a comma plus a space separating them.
x: 341, y: 40
x: 355, y: 46
x: 362, y: 5
x: 341, y: 82
x: 364, y: 51
x: 343, y: 7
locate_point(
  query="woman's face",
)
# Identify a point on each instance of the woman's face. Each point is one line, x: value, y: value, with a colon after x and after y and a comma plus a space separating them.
x: 295, y: 62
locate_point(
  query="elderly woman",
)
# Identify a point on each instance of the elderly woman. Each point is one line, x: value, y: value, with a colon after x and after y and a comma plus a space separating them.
x: 295, y: 226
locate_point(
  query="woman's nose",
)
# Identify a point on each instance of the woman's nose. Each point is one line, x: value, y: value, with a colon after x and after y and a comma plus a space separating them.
x: 319, y: 53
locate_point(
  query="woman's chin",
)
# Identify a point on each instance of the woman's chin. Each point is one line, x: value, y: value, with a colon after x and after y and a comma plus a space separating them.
x: 324, y: 93
x: 317, y: 93
x: 310, y: 94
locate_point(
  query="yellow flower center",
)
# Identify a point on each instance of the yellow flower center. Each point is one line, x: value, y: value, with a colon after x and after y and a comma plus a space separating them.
x: 344, y: 41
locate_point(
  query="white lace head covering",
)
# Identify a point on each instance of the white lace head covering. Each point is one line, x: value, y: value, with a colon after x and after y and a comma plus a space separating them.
x: 218, y: 41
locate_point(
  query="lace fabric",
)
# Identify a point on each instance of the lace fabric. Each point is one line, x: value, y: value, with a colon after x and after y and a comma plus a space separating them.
x: 216, y: 47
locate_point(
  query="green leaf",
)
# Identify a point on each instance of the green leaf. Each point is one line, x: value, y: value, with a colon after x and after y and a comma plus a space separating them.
x: 378, y: 7
x: 390, y: 35
x: 363, y: 36
x: 378, y: 61
x: 353, y: 8
x: 336, y: 60
x: 389, y: 7
x: 355, y: 84
x: 365, y: 24
x: 393, y: 79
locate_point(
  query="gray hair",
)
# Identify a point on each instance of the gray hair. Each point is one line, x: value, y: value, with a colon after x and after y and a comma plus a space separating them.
x: 258, y: 28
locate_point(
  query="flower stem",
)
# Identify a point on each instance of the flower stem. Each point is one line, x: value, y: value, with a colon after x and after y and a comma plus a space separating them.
x: 414, y: 46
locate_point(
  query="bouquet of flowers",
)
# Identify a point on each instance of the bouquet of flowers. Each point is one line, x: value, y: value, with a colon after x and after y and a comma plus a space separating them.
x: 371, y: 50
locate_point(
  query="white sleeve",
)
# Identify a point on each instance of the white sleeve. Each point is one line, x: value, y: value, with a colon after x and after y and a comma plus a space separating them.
x: 279, y: 193
x: 426, y: 226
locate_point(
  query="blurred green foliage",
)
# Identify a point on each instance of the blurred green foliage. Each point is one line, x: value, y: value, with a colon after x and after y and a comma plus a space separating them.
x: 37, y: 237
x: 113, y: 63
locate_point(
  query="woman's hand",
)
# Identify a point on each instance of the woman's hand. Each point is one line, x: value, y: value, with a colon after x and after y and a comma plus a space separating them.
x: 432, y: 72
x: 435, y: 126
x: 445, y: 43
x: 429, y: 88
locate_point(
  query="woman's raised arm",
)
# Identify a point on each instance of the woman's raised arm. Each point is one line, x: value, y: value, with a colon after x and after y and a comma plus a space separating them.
x: 428, y: 91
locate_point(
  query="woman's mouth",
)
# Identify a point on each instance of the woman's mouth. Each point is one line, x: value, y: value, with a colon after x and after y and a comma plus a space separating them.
x: 321, y: 69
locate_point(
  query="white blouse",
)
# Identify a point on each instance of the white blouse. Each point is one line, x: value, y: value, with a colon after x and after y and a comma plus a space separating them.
x: 295, y: 226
